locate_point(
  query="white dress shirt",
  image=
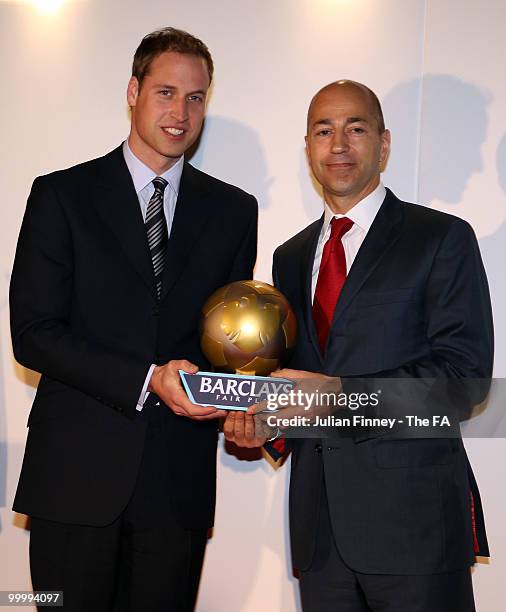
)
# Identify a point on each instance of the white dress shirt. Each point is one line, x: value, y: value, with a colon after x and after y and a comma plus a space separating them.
x: 362, y: 215
x: 142, y: 177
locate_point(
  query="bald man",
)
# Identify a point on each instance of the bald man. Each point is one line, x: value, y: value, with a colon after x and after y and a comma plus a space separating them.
x: 381, y: 288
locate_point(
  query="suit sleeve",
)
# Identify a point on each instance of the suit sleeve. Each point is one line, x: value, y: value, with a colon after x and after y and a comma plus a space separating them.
x: 40, y: 306
x: 458, y: 312
x: 244, y: 262
x: 455, y: 376
x: 281, y: 446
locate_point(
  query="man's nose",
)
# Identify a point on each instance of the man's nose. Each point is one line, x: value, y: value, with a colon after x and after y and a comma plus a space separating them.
x: 179, y: 110
x: 339, y: 142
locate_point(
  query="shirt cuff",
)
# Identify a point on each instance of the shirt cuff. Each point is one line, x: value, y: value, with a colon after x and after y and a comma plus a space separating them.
x: 145, y: 393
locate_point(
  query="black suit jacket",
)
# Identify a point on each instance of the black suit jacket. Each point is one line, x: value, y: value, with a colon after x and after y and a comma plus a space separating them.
x: 415, y: 305
x: 84, y: 313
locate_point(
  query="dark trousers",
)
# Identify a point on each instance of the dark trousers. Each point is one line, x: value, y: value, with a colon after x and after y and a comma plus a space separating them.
x: 330, y: 585
x: 143, y: 562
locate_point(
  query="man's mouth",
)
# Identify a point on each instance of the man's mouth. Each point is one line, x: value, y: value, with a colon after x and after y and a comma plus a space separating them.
x: 173, y: 131
x: 340, y: 164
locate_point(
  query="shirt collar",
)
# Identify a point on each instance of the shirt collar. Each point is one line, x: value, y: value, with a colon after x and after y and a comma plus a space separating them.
x: 142, y: 175
x: 363, y: 213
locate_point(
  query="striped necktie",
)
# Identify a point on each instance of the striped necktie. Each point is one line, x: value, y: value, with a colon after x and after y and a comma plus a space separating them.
x: 156, y: 228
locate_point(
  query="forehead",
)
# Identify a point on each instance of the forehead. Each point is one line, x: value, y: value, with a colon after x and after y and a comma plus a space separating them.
x: 340, y: 102
x: 173, y: 68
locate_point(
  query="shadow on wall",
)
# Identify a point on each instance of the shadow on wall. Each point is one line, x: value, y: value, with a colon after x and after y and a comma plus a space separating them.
x: 493, y: 250
x: 232, y: 152
x: 245, y: 535
x: 259, y: 509
x: 453, y: 129
x: 454, y: 119
x: 401, y: 109
x: 438, y: 124
x: 311, y: 190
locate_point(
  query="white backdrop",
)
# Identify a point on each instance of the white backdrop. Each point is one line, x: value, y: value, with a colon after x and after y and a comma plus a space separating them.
x: 438, y: 68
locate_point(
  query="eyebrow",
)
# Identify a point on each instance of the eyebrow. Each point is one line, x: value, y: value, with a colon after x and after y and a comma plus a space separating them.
x: 173, y: 87
x: 348, y: 120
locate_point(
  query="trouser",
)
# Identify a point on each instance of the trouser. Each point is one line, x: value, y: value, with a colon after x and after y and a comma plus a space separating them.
x: 144, y: 561
x: 330, y: 585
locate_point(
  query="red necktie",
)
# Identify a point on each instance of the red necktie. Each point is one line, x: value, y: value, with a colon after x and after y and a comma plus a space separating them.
x: 331, y: 279
x: 280, y: 445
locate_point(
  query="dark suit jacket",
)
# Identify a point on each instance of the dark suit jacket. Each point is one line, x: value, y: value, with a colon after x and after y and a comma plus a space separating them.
x: 415, y: 304
x: 84, y: 313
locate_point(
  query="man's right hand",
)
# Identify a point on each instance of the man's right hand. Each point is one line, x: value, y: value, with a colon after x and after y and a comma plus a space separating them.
x: 244, y: 429
x: 166, y: 383
x: 251, y: 428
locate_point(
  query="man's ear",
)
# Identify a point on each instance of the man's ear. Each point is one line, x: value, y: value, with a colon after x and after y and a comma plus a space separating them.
x: 386, y: 140
x: 132, y: 91
x: 308, y: 155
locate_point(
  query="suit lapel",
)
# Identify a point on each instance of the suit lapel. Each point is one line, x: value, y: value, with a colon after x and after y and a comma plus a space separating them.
x: 382, y: 234
x: 307, y: 254
x: 118, y: 205
x: 190, y: 219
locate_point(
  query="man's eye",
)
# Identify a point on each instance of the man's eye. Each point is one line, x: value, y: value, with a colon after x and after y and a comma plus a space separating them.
x: 358, y: 130
x: 323, y: 133
x: 165, y: 92
x: 195, y: 98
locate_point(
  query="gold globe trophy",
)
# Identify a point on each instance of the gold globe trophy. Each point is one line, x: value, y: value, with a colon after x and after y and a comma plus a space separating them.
x: 247, y: 327
x: 247, y: 330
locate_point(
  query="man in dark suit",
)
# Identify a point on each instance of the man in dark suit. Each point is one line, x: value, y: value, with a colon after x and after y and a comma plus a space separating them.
x: 115, y: 258
x: 386, y: 290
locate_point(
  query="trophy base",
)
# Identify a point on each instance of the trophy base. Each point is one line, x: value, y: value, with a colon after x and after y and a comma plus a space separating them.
x: 232, y: 391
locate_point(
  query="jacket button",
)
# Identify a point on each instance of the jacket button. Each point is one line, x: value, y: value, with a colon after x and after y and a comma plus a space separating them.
x: 156, y: 311
x: 318, y: 448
